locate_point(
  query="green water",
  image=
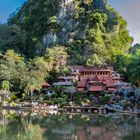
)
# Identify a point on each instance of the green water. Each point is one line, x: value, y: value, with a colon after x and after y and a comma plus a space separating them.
x: 43, y: 126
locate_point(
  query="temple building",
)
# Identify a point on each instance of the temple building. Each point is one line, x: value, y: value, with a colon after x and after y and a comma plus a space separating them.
x: 93, y: 79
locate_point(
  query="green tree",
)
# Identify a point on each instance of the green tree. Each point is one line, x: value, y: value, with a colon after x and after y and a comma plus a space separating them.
x: 5, y: 85
x: 133, y: 49
x: 134, y: 68
x: 14, y: 70
x: 121, y: 63
x: 37, y: 72
x: 56, y: 57
x: 93, y: 60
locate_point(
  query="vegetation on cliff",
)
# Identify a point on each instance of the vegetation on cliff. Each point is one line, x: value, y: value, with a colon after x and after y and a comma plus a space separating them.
x: 84, y: 27
x: 48, y: 35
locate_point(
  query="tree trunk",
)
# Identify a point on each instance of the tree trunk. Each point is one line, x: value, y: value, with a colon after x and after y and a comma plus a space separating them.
x: 139, y: 83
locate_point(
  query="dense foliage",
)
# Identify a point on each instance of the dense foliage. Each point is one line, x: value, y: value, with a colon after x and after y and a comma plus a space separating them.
x: 46, y: 35
x: 128, y: 65
x: 85, y: 27
x: 21, y: 76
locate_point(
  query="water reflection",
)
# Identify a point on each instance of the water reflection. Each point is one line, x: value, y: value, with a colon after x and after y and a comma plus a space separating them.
x: 29, y: 126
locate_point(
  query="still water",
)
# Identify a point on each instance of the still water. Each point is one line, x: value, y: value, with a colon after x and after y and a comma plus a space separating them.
x: 61, y: 126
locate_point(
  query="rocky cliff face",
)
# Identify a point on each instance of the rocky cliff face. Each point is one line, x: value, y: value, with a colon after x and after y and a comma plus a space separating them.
x: 69, y: 26
x: 52, y: 37
x: 85, y: 27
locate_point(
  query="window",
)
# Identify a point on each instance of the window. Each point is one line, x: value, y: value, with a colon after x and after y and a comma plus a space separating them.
x: 82, y: 74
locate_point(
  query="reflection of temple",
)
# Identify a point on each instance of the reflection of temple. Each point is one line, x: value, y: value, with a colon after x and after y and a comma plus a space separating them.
x: 81, y: 133
x: 73, y: 132
x: 65, y: 133
x: 96, y: 133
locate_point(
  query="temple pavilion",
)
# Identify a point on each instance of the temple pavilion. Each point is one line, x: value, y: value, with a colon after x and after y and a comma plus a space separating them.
x: 93, y: 79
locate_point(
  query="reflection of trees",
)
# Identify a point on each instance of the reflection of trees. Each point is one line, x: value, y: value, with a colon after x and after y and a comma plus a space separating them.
x: 56, y: 125
x: 52, y: 127
x: 129, y: 127
x: 18, y: 128
x: 12, y: 129
x: 60, y: 126
x: 132, y: 136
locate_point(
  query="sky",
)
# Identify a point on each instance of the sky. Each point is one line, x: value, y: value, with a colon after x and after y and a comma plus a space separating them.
x: 129, y: 10
x: 7, y: 7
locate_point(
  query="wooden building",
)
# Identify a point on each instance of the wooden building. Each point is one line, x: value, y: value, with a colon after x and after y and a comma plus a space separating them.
x: 93, y: 79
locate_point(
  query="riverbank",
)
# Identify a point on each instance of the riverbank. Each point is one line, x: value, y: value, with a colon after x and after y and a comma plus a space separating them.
x: 70, y: 109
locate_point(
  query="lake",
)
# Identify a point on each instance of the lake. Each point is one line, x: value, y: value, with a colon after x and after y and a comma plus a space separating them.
x: 61, y: 126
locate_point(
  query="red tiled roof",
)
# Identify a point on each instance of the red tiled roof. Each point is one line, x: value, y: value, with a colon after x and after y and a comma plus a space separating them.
x: 82, y: 68
x: 110, y: 86
x: 45, y: 84
x: 96, y: 88
x: 104, y: 79
x: 89, y: 77
x: 111, y: 89
x: 81, y: 84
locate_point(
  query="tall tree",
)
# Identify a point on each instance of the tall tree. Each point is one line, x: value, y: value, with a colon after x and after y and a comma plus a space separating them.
x: 56, y: 57
x: 134, y: 68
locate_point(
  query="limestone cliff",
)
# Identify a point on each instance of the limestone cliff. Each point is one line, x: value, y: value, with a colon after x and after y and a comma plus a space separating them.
x: 85, y: 27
